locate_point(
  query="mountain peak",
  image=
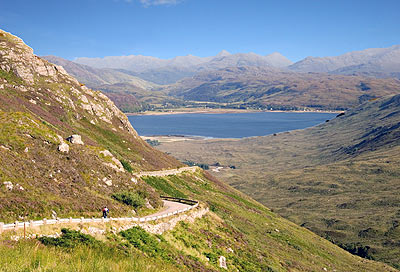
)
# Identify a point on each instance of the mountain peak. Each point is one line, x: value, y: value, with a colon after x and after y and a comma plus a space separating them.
x: 278, y: 60
x: 275, y: 54
x: 223, y: 53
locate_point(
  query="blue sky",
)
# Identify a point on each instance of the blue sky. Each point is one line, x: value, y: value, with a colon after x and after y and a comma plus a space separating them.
x: 168, y: 28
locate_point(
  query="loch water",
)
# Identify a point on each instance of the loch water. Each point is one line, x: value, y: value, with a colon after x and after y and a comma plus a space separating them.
x: 226, y: 125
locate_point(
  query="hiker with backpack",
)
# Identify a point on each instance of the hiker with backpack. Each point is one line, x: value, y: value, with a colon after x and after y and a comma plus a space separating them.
x: 105, y: 211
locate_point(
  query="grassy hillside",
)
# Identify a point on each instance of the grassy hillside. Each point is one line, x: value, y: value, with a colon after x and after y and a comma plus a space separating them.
x: 40, y: 107
x: 339, y: 179
x: 250, y: 236
x: 41, y: 173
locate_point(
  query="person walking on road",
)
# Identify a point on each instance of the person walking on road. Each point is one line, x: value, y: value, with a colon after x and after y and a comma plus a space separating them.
x: 105, y: 211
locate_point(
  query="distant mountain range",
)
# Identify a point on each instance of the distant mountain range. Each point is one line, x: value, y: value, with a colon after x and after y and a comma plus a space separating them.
x: 376, y: 62
x: 244, y: 80
x: 162, y: 71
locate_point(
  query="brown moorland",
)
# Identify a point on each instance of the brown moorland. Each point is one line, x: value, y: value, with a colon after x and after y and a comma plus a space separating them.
x: 340, y: 179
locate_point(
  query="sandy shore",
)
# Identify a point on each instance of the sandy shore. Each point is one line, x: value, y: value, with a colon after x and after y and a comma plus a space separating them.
x: 216, y: 111
x: 210, y: 111
x: 175, y: 138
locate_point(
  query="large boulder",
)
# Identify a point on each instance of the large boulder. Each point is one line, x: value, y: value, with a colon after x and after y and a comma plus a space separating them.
x: 63, y: 147
x: 75, y: 139
x: 8, y: 185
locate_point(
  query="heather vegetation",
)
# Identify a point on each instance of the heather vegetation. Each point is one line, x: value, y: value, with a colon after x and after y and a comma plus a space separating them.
x: 70, y: 239
x: 134, y: 199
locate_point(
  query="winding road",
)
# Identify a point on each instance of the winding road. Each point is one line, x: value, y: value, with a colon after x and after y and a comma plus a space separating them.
x: 170, y: 207
x: 163, y: 173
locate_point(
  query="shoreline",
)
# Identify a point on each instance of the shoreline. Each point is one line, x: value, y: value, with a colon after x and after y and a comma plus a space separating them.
x: 178, y: 138
x: 219, y: 111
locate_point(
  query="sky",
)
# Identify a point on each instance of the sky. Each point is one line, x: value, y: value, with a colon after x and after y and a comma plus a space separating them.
x: 169, y: 28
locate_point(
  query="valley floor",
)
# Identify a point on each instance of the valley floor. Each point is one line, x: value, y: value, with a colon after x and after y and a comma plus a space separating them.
x: 339, y: 179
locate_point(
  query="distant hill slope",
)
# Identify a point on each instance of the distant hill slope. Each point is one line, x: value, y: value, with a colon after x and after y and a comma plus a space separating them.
x: 127, y: 91
x: 47, y: 170
x: 339, y: 179
x: 94, y: 77
x: 376, y: 62
x: 267, y: 88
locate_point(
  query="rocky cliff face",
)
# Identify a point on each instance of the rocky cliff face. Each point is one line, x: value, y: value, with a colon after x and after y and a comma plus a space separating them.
x: 61, y: 142
x: 18, y: 59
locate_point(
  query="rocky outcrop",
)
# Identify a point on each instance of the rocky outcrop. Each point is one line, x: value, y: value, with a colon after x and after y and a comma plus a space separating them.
x: 18, y: 58
x: 9, y: 185
x: 75, y: 139
x: 63, y: 147
x: 107, y: 181
x: 115, y: 163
